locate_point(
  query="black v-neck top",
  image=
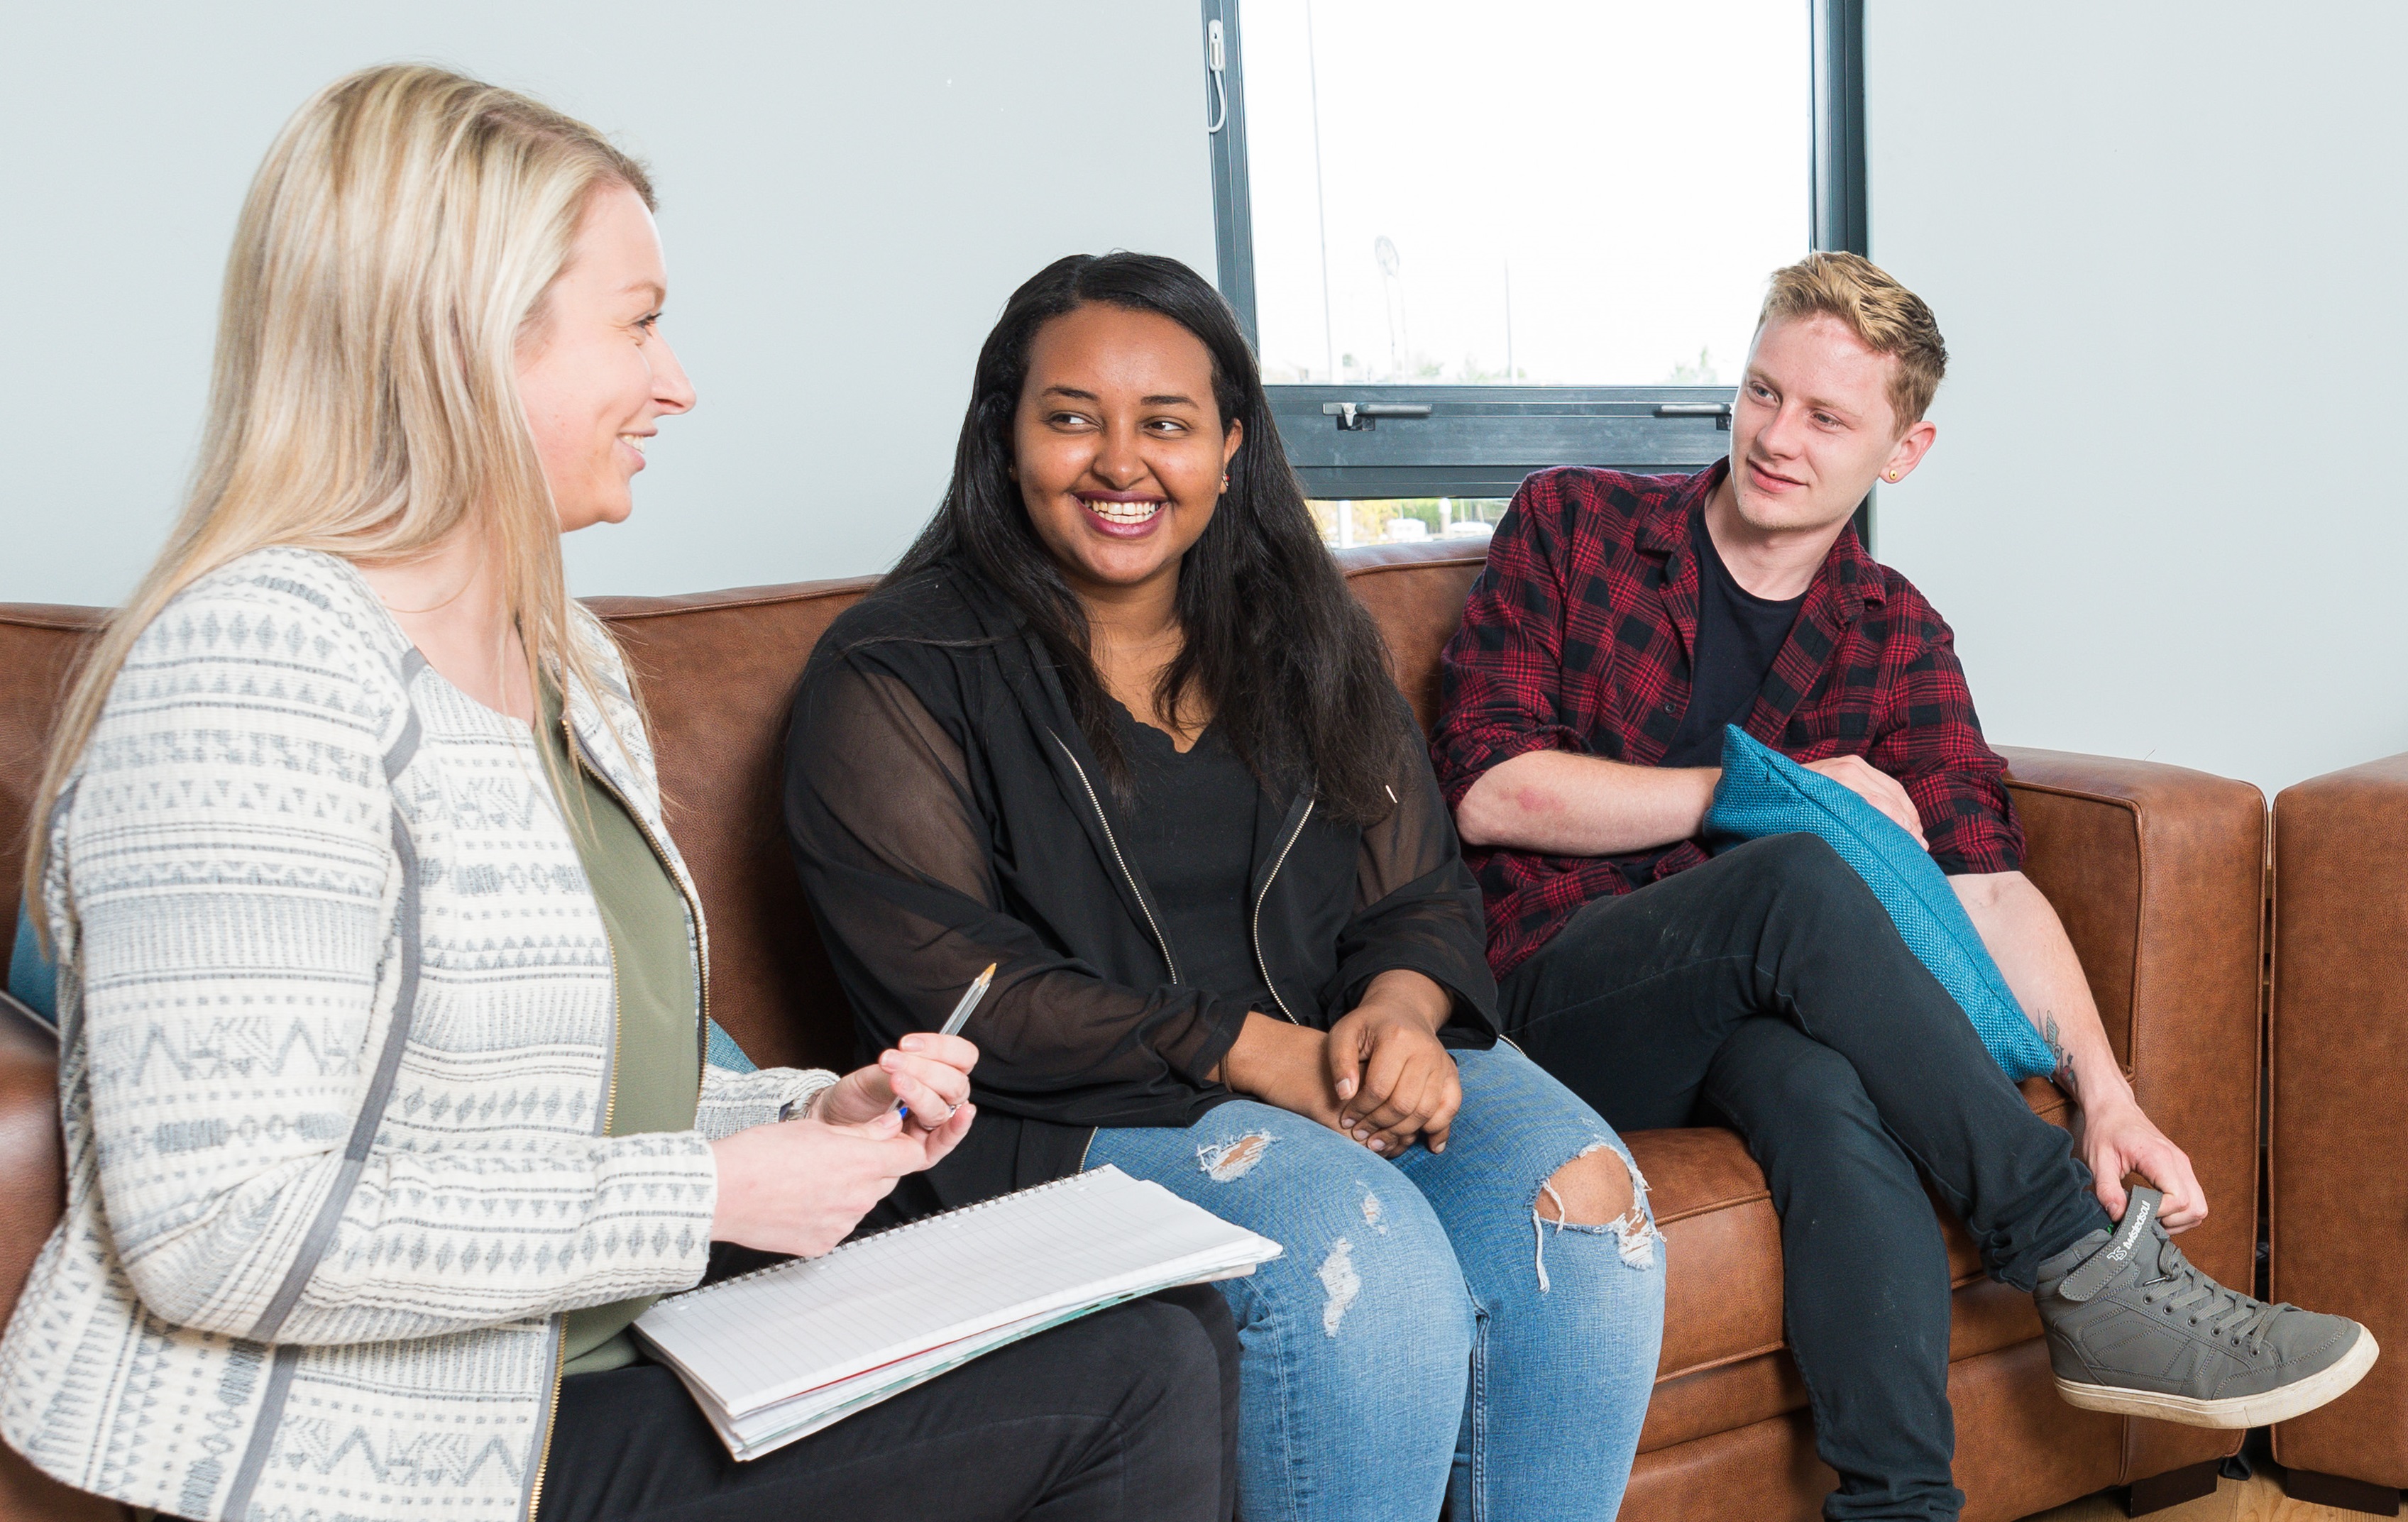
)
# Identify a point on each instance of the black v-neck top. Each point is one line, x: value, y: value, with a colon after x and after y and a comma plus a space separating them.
x: 1191, y: 837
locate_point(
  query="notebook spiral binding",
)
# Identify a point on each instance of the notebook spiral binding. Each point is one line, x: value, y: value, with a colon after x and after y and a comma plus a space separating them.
x: 892, y: 1230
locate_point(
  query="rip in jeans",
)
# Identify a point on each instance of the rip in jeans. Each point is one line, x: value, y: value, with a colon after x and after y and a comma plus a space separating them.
x: 1634, y: 1235
x: 1226, y: 1162
x: 1339, y: 1284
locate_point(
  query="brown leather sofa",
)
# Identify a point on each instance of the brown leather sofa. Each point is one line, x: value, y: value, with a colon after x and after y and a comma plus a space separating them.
x: 2338, y: 1051
x: 2157, y: 871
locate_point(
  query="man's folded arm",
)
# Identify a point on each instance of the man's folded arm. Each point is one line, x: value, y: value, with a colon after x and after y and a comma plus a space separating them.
x: 1509, y: 764
x: 1558, y: 804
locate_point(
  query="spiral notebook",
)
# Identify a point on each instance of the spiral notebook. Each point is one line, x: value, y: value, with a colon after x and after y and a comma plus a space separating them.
x: 779, y: 1354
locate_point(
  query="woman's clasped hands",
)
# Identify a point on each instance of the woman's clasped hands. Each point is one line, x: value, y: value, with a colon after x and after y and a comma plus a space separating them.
x: 801, y: 1185
x: 1393, y: 1078
x: 1380, y: 1074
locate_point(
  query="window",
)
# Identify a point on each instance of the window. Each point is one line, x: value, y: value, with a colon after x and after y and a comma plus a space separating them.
x: 1474, y: 241
x: 1346, y: 522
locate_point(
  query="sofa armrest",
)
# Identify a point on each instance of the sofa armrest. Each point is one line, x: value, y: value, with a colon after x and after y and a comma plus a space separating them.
x: 2159, y: 874
x: 2337, y: 1160
x: 33, y: 1167
x: 32, y: 1192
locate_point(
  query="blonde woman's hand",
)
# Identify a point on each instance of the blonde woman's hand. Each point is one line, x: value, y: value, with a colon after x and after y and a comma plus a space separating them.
x: 930, y: 1074
x: 800, y: 1187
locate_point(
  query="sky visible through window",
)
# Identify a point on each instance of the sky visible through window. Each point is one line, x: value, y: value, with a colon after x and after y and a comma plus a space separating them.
x: 1594, y: 188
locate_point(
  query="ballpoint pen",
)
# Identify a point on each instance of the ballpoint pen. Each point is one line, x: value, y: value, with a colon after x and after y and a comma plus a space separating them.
x: 961, y: 1015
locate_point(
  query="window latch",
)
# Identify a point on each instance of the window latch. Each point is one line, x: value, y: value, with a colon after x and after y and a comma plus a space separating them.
x: 1719, y: 411
x: 1216, y: 59
x: 1362, y: 417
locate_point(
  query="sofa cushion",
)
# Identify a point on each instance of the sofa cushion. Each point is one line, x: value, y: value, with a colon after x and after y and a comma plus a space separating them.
x: 1415, y: 593
x: 718, y: 672
x: 39, y: 648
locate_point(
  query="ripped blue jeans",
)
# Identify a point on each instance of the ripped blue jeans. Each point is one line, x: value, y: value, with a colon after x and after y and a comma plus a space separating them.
x: 1432, y: 1330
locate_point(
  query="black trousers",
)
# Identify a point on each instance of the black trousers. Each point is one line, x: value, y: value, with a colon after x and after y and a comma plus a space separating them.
x: 1768, y: 990
x: 1128, y: 1413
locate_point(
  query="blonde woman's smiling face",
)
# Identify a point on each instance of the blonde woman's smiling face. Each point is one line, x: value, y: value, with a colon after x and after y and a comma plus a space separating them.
x: 594, y: 371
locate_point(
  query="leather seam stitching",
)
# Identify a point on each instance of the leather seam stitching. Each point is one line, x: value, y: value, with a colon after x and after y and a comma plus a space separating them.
x: 1734, y: 1202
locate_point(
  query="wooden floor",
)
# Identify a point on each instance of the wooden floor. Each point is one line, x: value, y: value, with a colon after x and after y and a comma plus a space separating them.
x: 2259, y: 1499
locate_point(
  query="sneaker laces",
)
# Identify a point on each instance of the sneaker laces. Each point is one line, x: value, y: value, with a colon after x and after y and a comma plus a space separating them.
x: 2228, y: 1313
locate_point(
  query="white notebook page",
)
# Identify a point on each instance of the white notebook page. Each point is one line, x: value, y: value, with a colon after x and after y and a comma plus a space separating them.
x: 772, y: 1336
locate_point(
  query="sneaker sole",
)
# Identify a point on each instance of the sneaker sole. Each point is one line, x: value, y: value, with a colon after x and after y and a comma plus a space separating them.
x: 2275, y: 1405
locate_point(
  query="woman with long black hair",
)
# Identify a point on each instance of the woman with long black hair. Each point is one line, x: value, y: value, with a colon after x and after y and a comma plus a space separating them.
x: 1116, y: 725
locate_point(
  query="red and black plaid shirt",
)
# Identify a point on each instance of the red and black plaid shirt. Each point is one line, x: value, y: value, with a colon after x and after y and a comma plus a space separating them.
x: 1578, y: 636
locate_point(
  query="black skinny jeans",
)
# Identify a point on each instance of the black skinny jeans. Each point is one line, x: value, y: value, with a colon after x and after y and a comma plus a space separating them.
x: 1768, y: 990
x: 1128, y: 1413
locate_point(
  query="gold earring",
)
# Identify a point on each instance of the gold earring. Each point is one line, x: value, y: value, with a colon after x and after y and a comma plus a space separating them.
x: 1891, y: 477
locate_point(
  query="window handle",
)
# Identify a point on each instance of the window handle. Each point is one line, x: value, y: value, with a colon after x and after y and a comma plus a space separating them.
x: 1216, y: 59
x: 1358, y: 417
x: 1719, y: 411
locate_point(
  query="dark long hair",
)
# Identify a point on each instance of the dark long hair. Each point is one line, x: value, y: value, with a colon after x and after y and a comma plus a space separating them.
x: 1290, y: 666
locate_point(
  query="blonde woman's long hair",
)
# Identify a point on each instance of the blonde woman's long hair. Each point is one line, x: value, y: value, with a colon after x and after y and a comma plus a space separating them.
x: 393, y: 250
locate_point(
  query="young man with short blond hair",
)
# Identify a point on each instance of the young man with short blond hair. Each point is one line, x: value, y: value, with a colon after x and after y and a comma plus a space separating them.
x: 1621, y: 622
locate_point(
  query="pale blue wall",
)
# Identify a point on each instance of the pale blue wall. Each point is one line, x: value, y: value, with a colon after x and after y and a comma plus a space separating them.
x: 848, y: 194
x: 2165, y: 512
x: 2162, y: 240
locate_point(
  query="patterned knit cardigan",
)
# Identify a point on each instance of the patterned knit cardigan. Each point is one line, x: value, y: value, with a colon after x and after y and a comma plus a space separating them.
x: 338, y: 1019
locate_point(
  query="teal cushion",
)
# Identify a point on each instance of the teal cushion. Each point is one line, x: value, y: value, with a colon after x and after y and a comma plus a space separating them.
x: 32, y: 981
x: 724, y: 1053
x: 1763, y: 792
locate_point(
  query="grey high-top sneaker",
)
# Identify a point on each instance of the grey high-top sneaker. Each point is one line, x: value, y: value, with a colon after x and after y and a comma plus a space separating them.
x: 2133, y: 1328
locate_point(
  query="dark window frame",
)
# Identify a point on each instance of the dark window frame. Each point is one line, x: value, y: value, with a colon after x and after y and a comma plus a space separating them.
x: 1480, y: 441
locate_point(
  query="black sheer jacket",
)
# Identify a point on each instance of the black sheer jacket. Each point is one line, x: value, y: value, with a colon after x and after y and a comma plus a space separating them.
x: 945, y: 812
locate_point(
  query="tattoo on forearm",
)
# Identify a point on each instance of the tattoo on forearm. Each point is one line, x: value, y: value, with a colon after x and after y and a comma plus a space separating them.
x: 2063, y: 1076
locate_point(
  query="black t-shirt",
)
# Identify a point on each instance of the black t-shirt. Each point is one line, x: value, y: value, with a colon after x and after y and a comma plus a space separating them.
x: 1191, y: 837
x: 1739, y: 634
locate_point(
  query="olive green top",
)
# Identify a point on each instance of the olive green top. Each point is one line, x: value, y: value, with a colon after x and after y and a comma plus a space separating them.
x: 656, y: 1069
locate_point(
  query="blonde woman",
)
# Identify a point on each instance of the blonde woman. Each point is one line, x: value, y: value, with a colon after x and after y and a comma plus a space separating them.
x: 381, y: 979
